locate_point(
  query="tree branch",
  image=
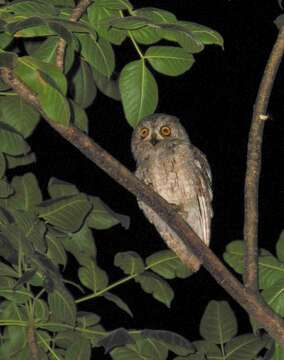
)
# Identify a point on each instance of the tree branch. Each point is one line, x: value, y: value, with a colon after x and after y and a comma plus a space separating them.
x: 246, y: 298
x: 75, y: 15
x: 254, y: 164
x: 33, y: 348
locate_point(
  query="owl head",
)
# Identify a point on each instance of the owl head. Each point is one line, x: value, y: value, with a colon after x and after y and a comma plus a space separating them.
x: 154, y: 131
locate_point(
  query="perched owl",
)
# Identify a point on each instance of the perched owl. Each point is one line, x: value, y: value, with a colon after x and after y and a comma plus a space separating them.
x: 179, y: 172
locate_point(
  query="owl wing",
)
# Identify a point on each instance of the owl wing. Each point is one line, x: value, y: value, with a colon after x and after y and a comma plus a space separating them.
x: 203, y: 191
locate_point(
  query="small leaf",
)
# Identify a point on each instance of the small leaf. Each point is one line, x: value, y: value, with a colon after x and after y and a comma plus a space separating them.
x: 159, y: 288
x: 156, y: 14
x: 58, y: 188
x: 97, y: 53
x: 56, y: 250
x: 87, y: 319
x: 107, y: 86
x: 102, y: 217
x: 93, y: 277
x: 61, y: 31
x: 79, y: 350
x: 280, y: 247
x: 218, y: 323
x: 8, y: 59
x: 129, y: 22
x: 11, y: 142
x: 130, y: 262
x: 174, y: 342
x: 19, y: 115
x: 27, y: 192
x: 169, y: 60
x: 168, y: 265
x: 84, y: 86
x: 115, y: 4
x: 79, y: 117
x: 118, y: 302
x: 6, y: 270
x: 62, y: 307
x: 274, y: 297
x: 116, y: 338
x: 5, y: 189
x: 41, y: 310
x: 66, y: 213
x: 139, y: 91
x: 15, y: 161
x: 234, y: 255
x: 244, y: 347
x: 31, y: 7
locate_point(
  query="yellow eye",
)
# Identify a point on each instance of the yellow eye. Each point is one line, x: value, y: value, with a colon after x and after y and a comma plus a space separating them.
x: 165, y: 131
x: 144, y: 132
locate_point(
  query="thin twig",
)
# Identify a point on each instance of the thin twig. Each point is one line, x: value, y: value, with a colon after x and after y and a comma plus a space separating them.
x: 75, y: 15
x: 259, y: 311
x: 32, y: 344
x: 254, y: 164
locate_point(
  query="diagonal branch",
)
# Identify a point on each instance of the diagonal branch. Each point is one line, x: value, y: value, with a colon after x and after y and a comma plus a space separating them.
x: 247, y: 299
x: 75, y: 15
x: 254, y: 164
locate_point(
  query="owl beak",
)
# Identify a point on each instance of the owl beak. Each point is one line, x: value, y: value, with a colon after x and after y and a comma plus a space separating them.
x: 154, y: 140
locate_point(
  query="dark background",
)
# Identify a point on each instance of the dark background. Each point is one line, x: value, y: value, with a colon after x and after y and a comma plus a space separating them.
x: 214, y: 101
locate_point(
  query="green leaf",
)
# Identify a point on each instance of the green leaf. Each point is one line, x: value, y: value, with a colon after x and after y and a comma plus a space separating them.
x: 174, y: 342
x: 19, y: 115
x: 34, y: 25
x: 139, y: 91
x: 203, y: 33
x: 18, y: 296
x: 129, y: 22
x: 79, y: 117
x: 169, y: 60
x: 168, y: 265
x: 5, y: 189
x: 218, y: 323
x: 55, y: 250
x: 27, y: 192
x: 278, y: 353
x: 58, y: 188
x: 99, y: 17
x: 65, y: 338
x: 66, y: 213
x: 107, y: 86
x: 93, y: 277
x: 146, y: 349
x: 156, y: 14
x: 15, y: 161
x: 102, y: 217
x: 274, y: 297
x: 8, y: 59
x: 79, y: 350
x: 81, y: 244
x: 61, y: 31
x: 234, y: 255
x: 11, y: 142
x: 280, y: 247
x: 115, y: 4
x: 41, y: 311
x: 31, y: 8
x: 244, y: 347
x: 84, y: 86
x: 6, y: 270
x: 5, y: 216
x: 130, y: 262
x: 117, y: 337
x: 87, y: 319
x: 159, y: 288
x: 62, y: 307
x: 118, y: 302
x: 97, y: 53
x: 49, y: 83
x: 185, y: 38
x: 5, y: 40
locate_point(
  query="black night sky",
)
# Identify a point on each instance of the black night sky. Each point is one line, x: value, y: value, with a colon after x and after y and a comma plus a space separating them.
x: 214, y: 100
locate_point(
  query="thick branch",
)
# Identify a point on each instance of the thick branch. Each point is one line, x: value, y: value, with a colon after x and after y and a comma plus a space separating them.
x: 33, y: 348
x: 254, y: 164
x: 76, y: 14
x: 259, y: 311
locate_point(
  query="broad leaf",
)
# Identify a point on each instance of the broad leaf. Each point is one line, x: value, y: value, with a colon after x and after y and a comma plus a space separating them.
x: 244, y: 347
x: 174, y: 342
x: 79, y: 116
x: 19, y: 115
x: 5, y: 189
x: 118, y: 302
x: 93, y: 277
x: 169, y: 60
x: 11, y: 141
x: 66, y: 213
x: 218, y: 323
x: 203, y: 33
x: 2, y: 165
x: 87, y: 319
x: 58, y: 188
x: 115, y: 4
x: 108, y: 87
x: 15, y: 161
x: 27, y: 192
x: 168, y: 265
x: 274, y: 297
x: 139, y: 91
x: 62, y: 307
x: 159, y: 288
x: 130, y: 262
x: 55, y: 250
x: 31, y: 8
x: 280, y: 247
x: 116, y: 338
x: 79, y: 350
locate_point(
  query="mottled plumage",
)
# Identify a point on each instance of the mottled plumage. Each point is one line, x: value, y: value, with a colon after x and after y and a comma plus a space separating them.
x: 178, y: 171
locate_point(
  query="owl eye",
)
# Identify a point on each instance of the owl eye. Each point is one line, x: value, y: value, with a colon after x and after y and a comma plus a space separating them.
x: 165, y: 131
x: 144, y: 132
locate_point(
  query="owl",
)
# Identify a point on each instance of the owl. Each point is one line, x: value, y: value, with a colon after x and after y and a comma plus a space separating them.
x: 179, y: 172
